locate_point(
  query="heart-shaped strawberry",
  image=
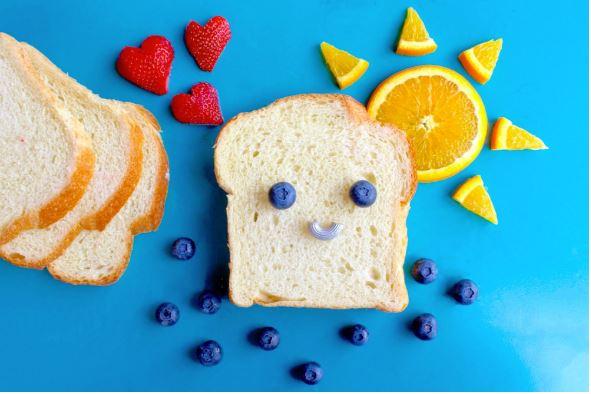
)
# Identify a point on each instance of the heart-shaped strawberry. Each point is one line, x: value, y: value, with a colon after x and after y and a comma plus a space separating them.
x: 149, y: 65
x: 202, y: 106
x: 206, y: 43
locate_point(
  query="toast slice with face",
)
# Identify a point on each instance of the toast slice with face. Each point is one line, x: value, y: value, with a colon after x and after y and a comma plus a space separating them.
x: 325, y: 250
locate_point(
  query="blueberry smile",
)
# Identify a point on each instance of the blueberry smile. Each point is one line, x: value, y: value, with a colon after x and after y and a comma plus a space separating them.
x: 325, y: 234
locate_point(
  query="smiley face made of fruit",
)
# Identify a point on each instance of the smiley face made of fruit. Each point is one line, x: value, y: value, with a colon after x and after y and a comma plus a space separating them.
x: 282, y: 195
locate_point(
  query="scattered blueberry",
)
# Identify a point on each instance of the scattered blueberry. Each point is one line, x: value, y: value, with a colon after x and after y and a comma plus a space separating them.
x: 183, y: 248
x: 209, y: 353
x: 310, y: 373
x: 425, y: 326
x: 357, y: 334
x: 208, y: 302
x: 363, y: 193
x: 282, y: 195
x: 167, y: 314
x: 465, y: 291
x: 424, y: 271
x: 268, y: 338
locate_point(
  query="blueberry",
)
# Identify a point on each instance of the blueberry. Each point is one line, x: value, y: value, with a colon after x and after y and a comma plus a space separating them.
x: 268, y: 338
x: 209, y: 353
x: 357, y: 334
x: 425, y: 326
x: 183, y: 248
x: 465, y: 292
x: 208, y: 302
x: 310, y: 373
x: 363, y: 193
x: 282, y: 195
x: 424, y: 271
x: 167, y: 314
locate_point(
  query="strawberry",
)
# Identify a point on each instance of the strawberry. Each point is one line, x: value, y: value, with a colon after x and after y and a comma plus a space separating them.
x: 149, y: 65
x: 206, y: 43
x: 202, y: 106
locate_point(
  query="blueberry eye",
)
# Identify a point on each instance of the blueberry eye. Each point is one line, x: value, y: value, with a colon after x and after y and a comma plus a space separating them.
x: 282, y: 195
x: 363, y: 193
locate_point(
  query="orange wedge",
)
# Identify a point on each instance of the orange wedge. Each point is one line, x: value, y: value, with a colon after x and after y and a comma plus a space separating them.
x: 441, y: 114
x: 480, y: 60
x: 506, y: 136
x: 345, y: 68
x: 414, y: 38
x: 473, y: 196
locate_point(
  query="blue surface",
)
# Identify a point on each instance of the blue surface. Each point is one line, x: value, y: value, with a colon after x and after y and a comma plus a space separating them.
x: 528, y: 330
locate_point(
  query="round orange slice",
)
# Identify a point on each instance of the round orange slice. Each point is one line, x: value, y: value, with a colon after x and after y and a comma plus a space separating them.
x: 440, y: 112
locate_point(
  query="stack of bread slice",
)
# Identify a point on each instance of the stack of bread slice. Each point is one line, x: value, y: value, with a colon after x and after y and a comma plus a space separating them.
x: 79, y: 175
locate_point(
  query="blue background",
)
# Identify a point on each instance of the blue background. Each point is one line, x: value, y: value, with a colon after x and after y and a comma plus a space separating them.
x: 529, y: 328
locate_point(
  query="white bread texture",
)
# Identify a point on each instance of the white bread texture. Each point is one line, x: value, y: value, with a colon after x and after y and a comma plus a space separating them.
x: 322, y: 144
x: 46, y: 158
x: 101, y: 257
x: 117, y: 142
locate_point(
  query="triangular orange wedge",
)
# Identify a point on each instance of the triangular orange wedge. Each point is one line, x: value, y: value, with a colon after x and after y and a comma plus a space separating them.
x: 473, y: 196
x: 345, y: 68
x: 480, y: 60
x: 506, y: 136
x: 414, y: 38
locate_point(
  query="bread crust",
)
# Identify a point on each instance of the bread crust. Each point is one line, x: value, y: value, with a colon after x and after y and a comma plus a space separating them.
x: 144, y: 113
x: 83, y: 161
x: 131, y: 114
x: 151, y: 221
x: 102, y: 281
x: 98, y: 219
x: 95, y: 221
x: 144, y: 223
x: 357, y: 113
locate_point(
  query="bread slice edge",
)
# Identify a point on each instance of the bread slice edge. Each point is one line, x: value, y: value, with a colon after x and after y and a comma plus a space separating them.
x: 100, y: 218
x: 147, y: 222
x: 83, y: 160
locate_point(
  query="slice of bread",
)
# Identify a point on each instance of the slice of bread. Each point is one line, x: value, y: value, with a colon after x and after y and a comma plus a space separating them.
x: 322, y: 145
x: 101, y: 257
x: 117, y: 142
x: 46, y: 160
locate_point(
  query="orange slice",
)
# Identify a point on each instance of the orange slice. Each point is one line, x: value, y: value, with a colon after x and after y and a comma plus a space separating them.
x: 441, y: 114
x: 473, y: 196
x: 345, y: 68
x: 506, y: 136
x: 480, y: 60
x: 414, y: 38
